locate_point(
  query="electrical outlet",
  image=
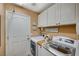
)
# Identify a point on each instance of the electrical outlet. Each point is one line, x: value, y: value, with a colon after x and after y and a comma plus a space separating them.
x: 78, y: 37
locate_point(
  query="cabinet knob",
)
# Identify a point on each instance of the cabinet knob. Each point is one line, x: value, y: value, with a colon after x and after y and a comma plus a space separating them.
x: 57, y: 23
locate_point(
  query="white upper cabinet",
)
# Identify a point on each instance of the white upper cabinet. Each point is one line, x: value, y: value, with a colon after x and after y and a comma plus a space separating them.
x: 77, y: 18
x: 53, y: 15
x: 42, y: 19
x: 58, y: 14
x: 68, y: 12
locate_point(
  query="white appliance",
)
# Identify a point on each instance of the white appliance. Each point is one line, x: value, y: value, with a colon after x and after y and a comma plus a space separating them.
x: 69, y: 44
x: 33, y: 44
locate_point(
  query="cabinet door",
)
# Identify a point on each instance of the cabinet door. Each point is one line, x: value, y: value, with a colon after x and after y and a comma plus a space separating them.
x: 77, y: 18
x: 53, y: 15
x: 58, y: 13
x: 43, y: 52
x: 42, y: 19
x: 67, y: 13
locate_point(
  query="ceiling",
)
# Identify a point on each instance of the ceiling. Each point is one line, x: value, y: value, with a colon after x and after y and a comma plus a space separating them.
x: 36, y: 7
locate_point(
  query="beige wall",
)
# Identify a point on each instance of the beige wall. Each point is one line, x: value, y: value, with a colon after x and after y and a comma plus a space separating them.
x: 68, y: 29
x: 2, y: 29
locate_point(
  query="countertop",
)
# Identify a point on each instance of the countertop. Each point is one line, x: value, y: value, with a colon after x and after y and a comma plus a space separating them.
x: 37, y: 38
x: 40, y: 43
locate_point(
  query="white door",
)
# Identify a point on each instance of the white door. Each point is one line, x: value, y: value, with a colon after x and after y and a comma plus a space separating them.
x: 18, y: 30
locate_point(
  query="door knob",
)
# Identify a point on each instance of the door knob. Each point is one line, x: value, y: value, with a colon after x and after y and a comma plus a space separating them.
x: 28, y: 38
x: 27, y: 35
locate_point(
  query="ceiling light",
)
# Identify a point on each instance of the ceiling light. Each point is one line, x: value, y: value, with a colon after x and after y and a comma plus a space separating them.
x: 20, y: 4
x: 33, y: 4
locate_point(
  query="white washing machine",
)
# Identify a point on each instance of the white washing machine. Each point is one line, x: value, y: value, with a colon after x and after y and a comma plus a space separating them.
x: 33, y: 44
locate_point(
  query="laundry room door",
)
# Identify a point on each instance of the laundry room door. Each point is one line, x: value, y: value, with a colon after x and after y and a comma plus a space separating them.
x: 18, y: 32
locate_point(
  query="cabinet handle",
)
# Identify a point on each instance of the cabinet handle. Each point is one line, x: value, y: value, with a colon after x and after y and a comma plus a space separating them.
x: 56, y: 23
x: 7, y: 37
